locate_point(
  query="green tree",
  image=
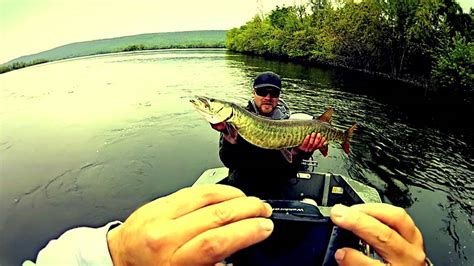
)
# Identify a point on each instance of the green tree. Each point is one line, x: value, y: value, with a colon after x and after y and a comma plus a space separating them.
x: 247, y: 38
x: 454, y: 67
x: 405, y: 39
x: 456, y: 19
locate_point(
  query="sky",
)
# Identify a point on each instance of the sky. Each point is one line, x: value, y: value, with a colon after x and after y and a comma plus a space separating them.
x: 32, y: 26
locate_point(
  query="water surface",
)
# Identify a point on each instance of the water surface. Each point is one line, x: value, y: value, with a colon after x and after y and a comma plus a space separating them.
x: 86, y: 141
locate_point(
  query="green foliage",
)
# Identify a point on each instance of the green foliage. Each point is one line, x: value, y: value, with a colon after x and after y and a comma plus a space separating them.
x: 248, y: 38
x: 18, y: 65
x: 403, y: 39
x: 458, y: 21
x: 278, y: 17
x: 359, y: 29
x: 134, y: 47
x: 454, y: 66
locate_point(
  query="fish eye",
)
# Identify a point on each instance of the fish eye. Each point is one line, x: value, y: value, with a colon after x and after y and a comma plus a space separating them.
x: 211, y: 100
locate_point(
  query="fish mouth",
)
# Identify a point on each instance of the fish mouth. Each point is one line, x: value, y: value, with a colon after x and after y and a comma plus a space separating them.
x: 210, y: 110
x: 201, y: 103
x: 205, y: 101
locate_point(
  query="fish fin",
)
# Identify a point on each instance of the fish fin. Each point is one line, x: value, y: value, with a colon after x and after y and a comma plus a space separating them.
x: 231, y: 134
x: 327, y: 116
x: 287, y: 154
x: 347, y: 138
x: 231, y: 130
x: 324, y: 150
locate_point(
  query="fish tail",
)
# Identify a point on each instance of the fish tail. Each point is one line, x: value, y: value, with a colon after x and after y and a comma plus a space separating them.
x: 347, y: 138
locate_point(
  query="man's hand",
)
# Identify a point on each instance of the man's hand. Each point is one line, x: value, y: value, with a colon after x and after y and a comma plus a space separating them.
x: 221, y: 127
x: 386, y: 228
x: 199, y: 226
x: 312, y: 142
x: 229, y: 132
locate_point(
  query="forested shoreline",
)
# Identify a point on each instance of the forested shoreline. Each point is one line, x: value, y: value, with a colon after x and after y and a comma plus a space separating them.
x: 140, y: 42
x: 129, y: 48
x: 424, y: 42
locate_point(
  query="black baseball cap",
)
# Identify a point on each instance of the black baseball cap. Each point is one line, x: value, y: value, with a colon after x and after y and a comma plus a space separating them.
x: 267, y: 79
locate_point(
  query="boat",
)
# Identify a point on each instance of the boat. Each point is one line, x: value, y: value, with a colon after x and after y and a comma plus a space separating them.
x: 303, y: 232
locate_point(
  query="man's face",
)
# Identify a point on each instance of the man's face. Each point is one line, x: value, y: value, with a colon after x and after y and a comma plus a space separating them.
x: 266, y: 99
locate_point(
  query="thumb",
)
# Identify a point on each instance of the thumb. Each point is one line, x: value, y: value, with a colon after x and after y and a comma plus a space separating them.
x: 349, y: 256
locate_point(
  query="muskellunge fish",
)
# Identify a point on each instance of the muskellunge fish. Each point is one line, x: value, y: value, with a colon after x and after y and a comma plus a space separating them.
x: 267, y: 133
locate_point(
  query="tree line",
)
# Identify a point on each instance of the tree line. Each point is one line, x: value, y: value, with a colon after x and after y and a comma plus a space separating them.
x: 150, y: 41
x: 134, y: 47
x: 427, y: 42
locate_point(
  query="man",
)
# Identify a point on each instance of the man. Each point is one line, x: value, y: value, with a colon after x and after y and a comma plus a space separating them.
x: 262, y: 172
x: 205, y: 224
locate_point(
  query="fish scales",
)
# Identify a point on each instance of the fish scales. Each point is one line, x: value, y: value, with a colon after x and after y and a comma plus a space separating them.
x: 277, y: 134
x: 267, y: 133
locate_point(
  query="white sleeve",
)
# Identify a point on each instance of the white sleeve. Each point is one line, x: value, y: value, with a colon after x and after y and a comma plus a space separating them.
x: 77, y: 246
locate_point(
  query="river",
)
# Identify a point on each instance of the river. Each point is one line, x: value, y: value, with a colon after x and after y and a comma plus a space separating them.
x: 86, y: 141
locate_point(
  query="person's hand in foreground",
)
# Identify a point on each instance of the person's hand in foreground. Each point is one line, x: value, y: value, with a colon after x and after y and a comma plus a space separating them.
x: 200, y: 226
x: 311, y: 143
x: 386, y: 228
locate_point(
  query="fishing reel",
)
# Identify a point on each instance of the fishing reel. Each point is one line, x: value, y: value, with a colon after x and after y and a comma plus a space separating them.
x: 303, y: 235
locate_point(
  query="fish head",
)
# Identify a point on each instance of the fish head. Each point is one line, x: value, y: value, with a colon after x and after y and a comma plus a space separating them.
x: 215, y: 111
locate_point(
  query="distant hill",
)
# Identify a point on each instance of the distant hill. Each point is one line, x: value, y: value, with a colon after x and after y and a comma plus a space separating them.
x: 149, y: 41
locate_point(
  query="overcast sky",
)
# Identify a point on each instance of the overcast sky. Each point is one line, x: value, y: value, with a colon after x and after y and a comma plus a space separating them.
x: 32, y: 26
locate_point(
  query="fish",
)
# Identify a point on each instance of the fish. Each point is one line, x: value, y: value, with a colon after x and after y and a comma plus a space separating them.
x: 267, y: 133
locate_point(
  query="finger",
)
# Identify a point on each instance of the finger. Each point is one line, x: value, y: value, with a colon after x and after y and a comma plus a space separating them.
x: 190, y: 199
x: 387, y: 242
x: 305, y: 143
x: 395, y: 217
x: 213, y: 216
x: 317, y: 142
x: 308, y: 142
x: 323, y: 142
x: 312, y: 140
x: 349, y: 256
x: 217, y: 244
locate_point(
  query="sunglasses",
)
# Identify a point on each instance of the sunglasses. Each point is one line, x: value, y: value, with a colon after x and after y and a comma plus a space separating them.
x: 262, y: 92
